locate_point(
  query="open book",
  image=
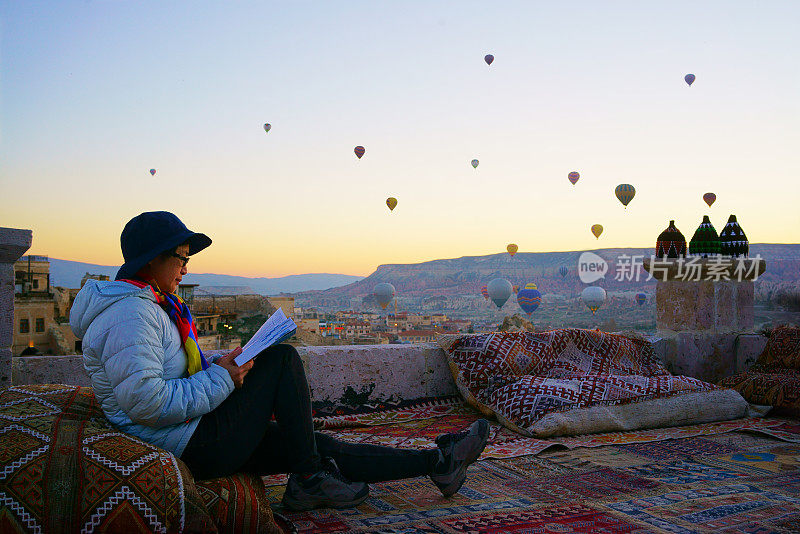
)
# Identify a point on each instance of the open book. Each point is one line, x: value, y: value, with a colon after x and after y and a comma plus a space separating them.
x: 276, y: 329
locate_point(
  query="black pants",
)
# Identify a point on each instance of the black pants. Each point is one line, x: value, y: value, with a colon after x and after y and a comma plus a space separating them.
x: 239, y: 434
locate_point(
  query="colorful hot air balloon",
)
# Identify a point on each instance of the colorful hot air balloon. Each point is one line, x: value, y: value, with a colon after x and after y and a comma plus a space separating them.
x: 689, y: 78
x: 515, y: 289
x: 563, y: 271
x: 499, y: 291
x: 529, y: 299
x: 512, y: 248
x: 359, y: 150
x: 485, y: 292
x: 597, y: 229
x: 474, y: 163
x: 573, y: 177
x: 625, y: 193
x: 152, y: 172
x: 641, y: 298
x: 391, y: 202
x: 384, y: 293
x: 488, y: 58
x: 709, y: 198
x: 593, y: 297
x: 267, y: 127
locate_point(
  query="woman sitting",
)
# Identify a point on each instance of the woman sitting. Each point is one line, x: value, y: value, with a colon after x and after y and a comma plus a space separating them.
x: 152, y: 381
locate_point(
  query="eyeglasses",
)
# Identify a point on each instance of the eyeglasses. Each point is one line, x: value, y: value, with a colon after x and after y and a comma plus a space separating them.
x: 184, y: 259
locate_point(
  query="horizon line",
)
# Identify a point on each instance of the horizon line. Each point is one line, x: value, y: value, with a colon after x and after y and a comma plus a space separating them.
x: 383, y: 264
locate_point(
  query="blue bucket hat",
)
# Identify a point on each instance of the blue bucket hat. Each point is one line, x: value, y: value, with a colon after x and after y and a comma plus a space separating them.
x: 149, y: 234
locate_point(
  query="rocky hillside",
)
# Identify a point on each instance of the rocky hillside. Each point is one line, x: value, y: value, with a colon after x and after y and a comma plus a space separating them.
x: 466, y: 275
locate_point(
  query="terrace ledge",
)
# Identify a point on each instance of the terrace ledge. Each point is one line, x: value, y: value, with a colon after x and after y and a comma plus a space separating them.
x: 360, y: 374
x: 337, y: 375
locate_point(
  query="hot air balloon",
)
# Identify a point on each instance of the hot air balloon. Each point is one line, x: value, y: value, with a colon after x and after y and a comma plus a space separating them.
x: 529, y: 298
x: 573, y: 177
x: 485, y: 292
x: 512, y: 249
x: 499, y: 291
x: 391, y: 202
x: 488, y: 58
x: 593, y: 297
x: 641, y: 298
x: 563, y: 271
x: 384, y: 293
x: 152, y: 172
x: 515, y: 289
x: 625, y: 193
x: 689, y: 78
x: 267, y: 127
x: 474, y: 163
x: 709, y: 198
x: 597, y: 229
x: 359, y: 150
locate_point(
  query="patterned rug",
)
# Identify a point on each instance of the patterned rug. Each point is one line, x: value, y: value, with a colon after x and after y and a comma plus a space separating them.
x: 416, y: 426
x: 731, y: 482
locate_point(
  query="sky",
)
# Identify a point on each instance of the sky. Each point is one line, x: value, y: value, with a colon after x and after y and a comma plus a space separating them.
x: 93, y: 94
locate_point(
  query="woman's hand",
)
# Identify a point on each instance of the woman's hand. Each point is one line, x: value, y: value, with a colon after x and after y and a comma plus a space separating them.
x: 237, y: 372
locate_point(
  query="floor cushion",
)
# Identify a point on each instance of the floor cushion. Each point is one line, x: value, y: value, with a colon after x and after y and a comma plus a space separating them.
x: 238, y: 503
x: 774, y: 380
x: 783, y: 349
x: 64, y: 468
x: 573, y: 381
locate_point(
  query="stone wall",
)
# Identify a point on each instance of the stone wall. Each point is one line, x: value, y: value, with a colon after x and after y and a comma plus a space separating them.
x: 705, y: 306
x: 13, y: 244
x: 709, y: 357
x: 240, y: 304
x: 358, y: 374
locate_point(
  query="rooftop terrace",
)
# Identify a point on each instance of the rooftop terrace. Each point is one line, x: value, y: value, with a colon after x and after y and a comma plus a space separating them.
x: 733, y: 476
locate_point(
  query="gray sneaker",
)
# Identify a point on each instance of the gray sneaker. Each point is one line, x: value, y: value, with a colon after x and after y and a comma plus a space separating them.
x: 458, y: 451
x: 326, y: 488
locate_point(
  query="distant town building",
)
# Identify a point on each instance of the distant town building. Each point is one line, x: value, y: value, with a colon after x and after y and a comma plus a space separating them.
x: 99, y: 277
x: 398, y: 323
x: 310, y: 325
x: 186, y: 293
x: 307, y: 313
x: 211, y: 324
x: 41, y: 312
x: 332, y: 329
x: 417, y: 336
x: 354, y: 329
x: 238, y: 304
x: 284, y: 303
x: 457, y: 325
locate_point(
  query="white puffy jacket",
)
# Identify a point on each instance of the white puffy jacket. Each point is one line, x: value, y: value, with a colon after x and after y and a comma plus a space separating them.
x: 133, y: 354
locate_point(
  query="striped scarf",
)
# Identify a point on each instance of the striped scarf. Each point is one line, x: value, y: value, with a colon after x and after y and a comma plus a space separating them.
x: 179, y: 313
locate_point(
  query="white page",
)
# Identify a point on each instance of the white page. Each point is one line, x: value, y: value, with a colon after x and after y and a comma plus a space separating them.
x: 272, y: 330
x: 269, y: 325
